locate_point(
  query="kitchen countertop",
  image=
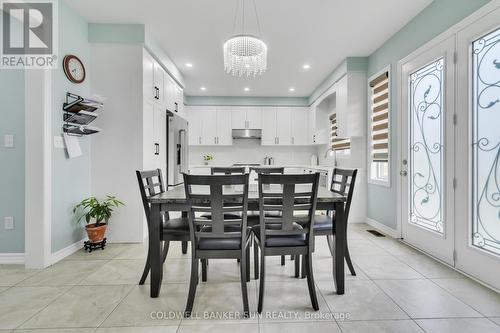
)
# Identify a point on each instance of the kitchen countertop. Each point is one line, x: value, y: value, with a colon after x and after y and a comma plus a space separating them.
x: 289, y: 166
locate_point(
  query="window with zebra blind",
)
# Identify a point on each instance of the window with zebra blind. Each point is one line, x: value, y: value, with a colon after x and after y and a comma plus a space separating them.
x: 379, y: 127
x: 337, y: 143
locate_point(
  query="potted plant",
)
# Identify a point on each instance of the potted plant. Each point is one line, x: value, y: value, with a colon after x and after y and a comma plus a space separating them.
x: 97, y: 214
x: 207, y: 158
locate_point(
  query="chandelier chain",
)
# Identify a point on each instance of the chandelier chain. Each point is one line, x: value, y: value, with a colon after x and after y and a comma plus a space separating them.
x: 257, y: 18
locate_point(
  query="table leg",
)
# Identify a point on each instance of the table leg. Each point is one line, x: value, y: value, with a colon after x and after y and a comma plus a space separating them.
x: 340, y: 243
x: 155, y: 251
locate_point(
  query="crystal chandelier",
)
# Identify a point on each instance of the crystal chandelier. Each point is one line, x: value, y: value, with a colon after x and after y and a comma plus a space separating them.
x: 245, y: 54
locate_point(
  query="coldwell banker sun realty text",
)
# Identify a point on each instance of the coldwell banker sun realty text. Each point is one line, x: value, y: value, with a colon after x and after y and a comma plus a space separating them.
x: 29, y: 34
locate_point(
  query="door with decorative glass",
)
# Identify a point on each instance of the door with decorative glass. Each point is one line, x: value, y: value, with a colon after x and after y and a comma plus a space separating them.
x: 427, y: 145
x: 478, y: 159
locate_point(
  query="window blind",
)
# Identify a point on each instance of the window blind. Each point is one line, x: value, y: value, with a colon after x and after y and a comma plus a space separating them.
x: 380, y: 118
x: 336, y: 142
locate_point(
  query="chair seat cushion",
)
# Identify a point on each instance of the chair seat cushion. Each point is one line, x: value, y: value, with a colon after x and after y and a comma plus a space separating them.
x: 323, y: 223
x: 205, y: 243
x: 281, y: 241
x: 227, y: 216
x: 181, y: 223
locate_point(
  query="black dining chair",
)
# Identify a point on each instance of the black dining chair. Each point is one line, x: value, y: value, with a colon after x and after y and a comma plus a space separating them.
x: 218, y: 238
x: 177, y: 229
x: 291, y: 233
x: 254, y: 218
x: 343, y: 181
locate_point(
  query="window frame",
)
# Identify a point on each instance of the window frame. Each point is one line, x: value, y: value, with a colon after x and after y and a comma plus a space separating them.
x: 371, y: 180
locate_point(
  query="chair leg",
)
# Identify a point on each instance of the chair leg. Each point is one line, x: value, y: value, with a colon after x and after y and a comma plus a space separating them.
x: 204, y: 270
x: 247, y: 262
x: 243, y: 278
x: 282, y: 260
x: 184, y: 247
x: 147, y: 267
x: 256, y: 259
x: 262, y: 278
x: 329, y: 240
x: 348, y: 260
x: 310, y: 280
x: 192, y: 286
x: 166, y: 245
x: 303, y: 272
x: 292, y: 257
x: 297, y: 265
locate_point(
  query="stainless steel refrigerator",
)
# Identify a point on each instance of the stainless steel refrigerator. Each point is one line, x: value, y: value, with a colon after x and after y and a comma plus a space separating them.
x: 177, y: 149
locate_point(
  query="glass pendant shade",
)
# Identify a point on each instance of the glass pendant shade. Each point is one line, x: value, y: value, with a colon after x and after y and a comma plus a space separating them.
x: 245, y: 55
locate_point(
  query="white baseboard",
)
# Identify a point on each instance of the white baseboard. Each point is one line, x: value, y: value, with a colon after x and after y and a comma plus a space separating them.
x: 11, y: 258
x: 383, y: 228
x: 67, y: 251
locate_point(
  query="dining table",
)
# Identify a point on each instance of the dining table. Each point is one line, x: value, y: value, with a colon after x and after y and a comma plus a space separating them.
x: 174, y: 200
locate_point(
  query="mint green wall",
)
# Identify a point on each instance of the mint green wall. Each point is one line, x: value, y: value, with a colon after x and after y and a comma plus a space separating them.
x: 70, y: 177
x: 12, y: 162
x: 12, y: 159
x: 116, y: 33
x: 433, y: 20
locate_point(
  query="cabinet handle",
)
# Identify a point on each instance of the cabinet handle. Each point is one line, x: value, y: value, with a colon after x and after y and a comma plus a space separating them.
x: 246, y: 124
x: 293, y: 140
x: 199, y: 140
x: 215, y: 140
x: 176, y: 107
x: 157, y: 149
x: 278, y: 140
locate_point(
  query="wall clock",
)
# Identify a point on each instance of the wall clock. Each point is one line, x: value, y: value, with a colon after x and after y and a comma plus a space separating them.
x: 74, y: 69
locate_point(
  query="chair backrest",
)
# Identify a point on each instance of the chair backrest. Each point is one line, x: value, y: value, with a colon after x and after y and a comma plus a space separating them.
x: 268, y: 171
x: 150, y: 184
x: 291, y: 195
x: 343, y: 181
x: 216, y: 195
x: 228, y: 170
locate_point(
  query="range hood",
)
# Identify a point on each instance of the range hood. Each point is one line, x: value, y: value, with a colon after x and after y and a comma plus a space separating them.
x: 247, y: 133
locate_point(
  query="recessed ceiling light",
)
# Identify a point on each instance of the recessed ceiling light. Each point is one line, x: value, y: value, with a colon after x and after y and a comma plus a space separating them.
x: 291, y: 89
x: 203, y: 88
x: 306, y: 66
x: 189, y: 65
x: 246, y: 89
x: 247, y: 65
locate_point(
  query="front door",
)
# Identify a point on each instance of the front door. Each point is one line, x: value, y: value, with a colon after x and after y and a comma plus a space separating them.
x: 427, y: 170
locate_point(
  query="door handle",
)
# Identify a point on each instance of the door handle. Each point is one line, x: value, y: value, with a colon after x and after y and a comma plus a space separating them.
x: 403, y: 173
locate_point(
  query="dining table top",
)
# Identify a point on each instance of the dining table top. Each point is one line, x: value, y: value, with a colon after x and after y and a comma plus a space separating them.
x: 177, y: 195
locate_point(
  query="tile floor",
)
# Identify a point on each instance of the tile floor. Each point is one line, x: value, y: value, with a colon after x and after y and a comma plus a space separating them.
x: 396, y: 289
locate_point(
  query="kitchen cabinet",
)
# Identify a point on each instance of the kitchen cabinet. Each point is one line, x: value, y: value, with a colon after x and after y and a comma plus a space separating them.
x: 246, y: 117
x: 268, y: 126
x: 154, y: 137
x: 283, y: 126
x: 148, y: 76
x: 209, y: 126
x: 300, y: 126
x: 159, y: 75
x: 351, y: 105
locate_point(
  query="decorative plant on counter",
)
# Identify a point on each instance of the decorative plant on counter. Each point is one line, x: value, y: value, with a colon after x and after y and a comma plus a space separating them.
x: 98, y: 211
x: 207, y: 158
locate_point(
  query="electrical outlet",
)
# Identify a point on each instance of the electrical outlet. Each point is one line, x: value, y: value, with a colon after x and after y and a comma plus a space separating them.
x: 9, y: 223
x: 8, y: 141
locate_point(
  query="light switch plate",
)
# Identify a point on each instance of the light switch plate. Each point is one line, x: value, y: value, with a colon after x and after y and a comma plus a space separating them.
x: 8, y: 141
x: 9, y: 223
x: 58, y: 142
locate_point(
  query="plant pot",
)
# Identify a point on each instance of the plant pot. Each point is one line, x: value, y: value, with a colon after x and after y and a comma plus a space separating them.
x: 206, y: 162
x: 95, y: 234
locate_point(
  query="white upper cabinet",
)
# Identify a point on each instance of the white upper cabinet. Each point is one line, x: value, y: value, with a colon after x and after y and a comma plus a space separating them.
x: 158, y: 82
x: 300, y: 126
x: 208, y: 123
x: 194, y: 116
x: 246, y: 117
x: 224, y: 135
x: 283, y: 126
x: 148, y: 76
x: 269, y: 124
x: 351, y: 105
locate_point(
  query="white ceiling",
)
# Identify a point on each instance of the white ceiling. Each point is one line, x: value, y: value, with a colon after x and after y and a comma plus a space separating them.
x: 317, y: 32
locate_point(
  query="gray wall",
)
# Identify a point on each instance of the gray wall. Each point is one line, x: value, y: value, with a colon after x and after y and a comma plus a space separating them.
x: 70, y: 177
x: 433, y: 20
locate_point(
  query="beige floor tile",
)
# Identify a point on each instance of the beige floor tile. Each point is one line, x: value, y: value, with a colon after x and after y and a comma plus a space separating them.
x: 138, y: 309
x: 429, y: 267
x: 12, y: 274
x: 300, y: 327
x: 382, y: 326
x: 57, y: 330
x: 64, y: 273
x: 386, y: 267
x: 424, y: 299
x: 458, y: 325
x: 290, y: 301
x: 394, y: 247
x: 496, y: 320
x: 482, y: 299
x: 363, y: 300
x: 110, y: 252
x: 3, y: 289
x: 323, y: 270
x: 365, y: 248
x: 116, y: 272
x: 219, y: 328
x: 19, y: 304
x: 175, y: 251
x: 222, y: 303
x: 137, y: 329
x: 137, y: 251
x: 82, y: 306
